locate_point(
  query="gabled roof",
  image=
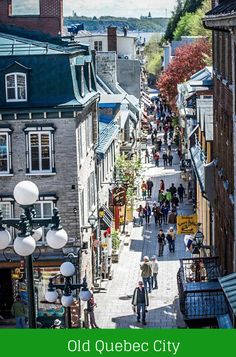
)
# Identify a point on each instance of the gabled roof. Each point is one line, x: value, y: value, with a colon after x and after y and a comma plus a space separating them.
x: 227, y: 7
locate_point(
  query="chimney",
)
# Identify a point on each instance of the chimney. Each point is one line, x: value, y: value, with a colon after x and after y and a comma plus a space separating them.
x: 46, y: 16
x: 112, y: 38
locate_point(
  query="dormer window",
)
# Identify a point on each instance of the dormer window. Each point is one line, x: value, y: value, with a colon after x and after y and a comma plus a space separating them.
x: 82, y: 81
x: 16, y: 88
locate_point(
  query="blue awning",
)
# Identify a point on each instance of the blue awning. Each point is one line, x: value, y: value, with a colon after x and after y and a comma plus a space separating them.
x: 107, y: 134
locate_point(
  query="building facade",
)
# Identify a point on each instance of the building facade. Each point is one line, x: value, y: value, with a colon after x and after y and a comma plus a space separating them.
x: 222, y: 21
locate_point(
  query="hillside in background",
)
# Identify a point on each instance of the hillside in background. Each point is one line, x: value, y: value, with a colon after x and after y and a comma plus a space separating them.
x: 100, y: 24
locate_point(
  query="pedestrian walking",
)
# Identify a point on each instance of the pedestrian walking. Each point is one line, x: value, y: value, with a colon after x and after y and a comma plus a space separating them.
x: 162, y: 186
x: 161, y: 242
x: 140, y: 214
x: 18, y: 310
x: 147, y: 213
x: 146, y: 273
x: 144, y: 189
x: 154, y: 272
x: 165, y: 158
x: 175, y: 201
x: 140, y: 302
x: 159, y: 143
x: 181, y: 192
x: 149, y: 187
x: 156, y: 158
x: 170, y: 159
x: 172, y: 219
x: 171, y: 237
x: 157, y: 214
x: 172, y: 189
x: 165, y: 211
x: 146, y: 156
x: 90, y: 308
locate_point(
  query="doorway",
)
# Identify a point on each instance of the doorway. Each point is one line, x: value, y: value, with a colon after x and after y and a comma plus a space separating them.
x: 6, y: 295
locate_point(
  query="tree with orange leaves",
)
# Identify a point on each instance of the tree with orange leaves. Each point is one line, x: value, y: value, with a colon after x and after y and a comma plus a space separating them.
x: 189, y: 59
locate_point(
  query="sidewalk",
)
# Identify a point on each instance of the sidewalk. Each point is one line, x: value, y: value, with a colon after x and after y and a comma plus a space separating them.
x: 114, y: 302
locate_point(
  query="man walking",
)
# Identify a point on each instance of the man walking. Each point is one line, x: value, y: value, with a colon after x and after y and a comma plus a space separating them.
x: 161, y: 242
x: 149, y: 187
x: 146, y: 274
x: 18, y: 310
x: 154, y: 272
x: 140, y: 301
x: 181, y: 192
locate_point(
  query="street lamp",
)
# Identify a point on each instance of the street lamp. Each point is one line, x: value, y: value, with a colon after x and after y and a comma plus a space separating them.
x: 67, y: 271
x: 26, y: 194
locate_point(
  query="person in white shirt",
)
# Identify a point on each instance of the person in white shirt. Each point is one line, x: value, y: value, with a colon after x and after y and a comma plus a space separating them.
x: 154, y: 272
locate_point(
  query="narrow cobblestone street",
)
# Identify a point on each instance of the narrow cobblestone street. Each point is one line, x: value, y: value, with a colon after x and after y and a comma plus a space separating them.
x: 114, y: 300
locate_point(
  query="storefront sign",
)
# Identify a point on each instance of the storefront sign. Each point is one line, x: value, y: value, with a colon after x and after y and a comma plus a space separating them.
x: 119, y: 196
x: 187, y: 224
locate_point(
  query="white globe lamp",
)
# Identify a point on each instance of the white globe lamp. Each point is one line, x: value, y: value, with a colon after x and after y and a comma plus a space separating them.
x: 51, y: 296
x: 57, y: 239
x: 85, y: 294
x: 67, y: 300
x: 24, y: 246
x: 37, y: 235
x: 67, y: 269
x: 26, y: 193
x: 5, y: 239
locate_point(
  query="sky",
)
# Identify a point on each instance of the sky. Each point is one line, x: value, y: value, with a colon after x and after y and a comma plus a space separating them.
x: 126, y: 8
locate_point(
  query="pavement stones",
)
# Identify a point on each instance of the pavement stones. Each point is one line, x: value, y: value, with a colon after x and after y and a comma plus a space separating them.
x: 114, y: 301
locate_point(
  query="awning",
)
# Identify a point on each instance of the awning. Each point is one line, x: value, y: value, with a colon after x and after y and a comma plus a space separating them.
x: 198, y: 158
x: 108, y: 133
x: 228, y: 284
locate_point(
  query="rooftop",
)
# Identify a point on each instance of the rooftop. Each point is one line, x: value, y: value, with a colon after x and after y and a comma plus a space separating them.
x: 227, y: 7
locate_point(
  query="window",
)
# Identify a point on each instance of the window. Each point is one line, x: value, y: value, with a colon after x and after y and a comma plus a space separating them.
x: 89, y: 130
x: 40, y: 153
x: 16, y: 89
x: 89, y: 77
x: 98, y: 45
x: 91, y: 190
x: 44, y: 209
x: 5, y: 207
x: 5, y: 151
x: 82, y: 81
x: 25, y: 7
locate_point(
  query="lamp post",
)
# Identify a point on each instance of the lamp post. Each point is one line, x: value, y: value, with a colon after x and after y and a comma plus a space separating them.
x: 26, y: 194
x: 196, y: 251
x: 67, y: 271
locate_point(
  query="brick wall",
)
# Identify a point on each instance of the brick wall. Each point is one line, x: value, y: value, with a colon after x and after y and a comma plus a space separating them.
x: 50, y: 20
x: 112, y: 38
x: 106, y: 66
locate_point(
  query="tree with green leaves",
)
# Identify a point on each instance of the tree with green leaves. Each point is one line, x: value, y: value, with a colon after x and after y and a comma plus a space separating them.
x: 126, y: 174
x: 183, y: 7
x: 153, y: 54
x: 191, y: 23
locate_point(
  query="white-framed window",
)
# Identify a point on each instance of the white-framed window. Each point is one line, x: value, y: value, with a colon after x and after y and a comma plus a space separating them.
x: 82, y: 207
x: 5, y: 151
x: 16, y: 87
x: 91, y: 190
x: 5, y: 207
x: 44, y: 209
x: 25, y: 7
x: 82, y: 81
x: 40, y: 151
x: 89, y: 130
x: 89, y: 77
x: 98, y: 45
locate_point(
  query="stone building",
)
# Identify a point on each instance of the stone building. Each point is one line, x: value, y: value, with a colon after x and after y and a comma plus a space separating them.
x: 48, y: 134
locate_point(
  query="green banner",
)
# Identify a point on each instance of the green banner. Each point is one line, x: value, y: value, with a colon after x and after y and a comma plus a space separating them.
x: 122, y: 342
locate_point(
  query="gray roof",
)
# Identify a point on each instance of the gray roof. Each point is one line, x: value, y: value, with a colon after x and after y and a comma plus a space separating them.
x: 227, y: 7
x: 228, y: 284
x: 107, y: 134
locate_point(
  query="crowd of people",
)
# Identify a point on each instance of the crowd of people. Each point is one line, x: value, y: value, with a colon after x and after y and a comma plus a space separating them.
x: 162, y: 212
